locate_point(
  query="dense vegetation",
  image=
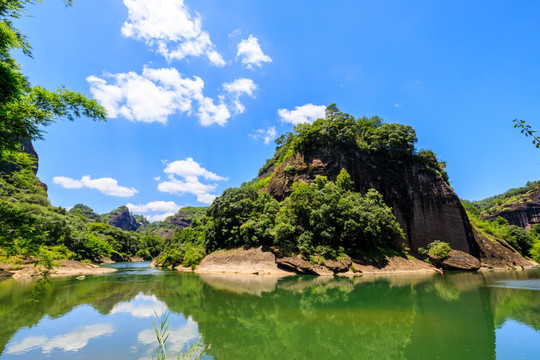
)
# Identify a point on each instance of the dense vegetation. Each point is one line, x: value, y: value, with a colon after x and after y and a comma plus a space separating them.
x: 498, y: 202
x: 321, y: 220
x: 30, y: 226
x: 343, y: 132
x: 526, y: 242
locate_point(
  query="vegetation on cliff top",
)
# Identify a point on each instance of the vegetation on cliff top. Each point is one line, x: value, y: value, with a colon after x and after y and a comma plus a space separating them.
x: 502, y: 201
x: 324, y: 219
x: 526, y: 242
x: 343, y: 132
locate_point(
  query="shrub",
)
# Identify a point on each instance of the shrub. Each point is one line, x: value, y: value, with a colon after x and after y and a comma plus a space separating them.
x: 439, y: 249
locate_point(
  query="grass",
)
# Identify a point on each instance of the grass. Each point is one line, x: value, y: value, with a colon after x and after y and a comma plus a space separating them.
x: 161, y: 329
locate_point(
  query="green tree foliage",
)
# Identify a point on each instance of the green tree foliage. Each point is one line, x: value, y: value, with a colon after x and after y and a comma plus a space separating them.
x: 493, y: 203
x: 343, y: 132
x: 321, y: 219
x: 29, y: 225
x: 85, y: 211
x: 527, y: 130
x: 439, y: 249
x: 25, y: 109
x: 520, y: 239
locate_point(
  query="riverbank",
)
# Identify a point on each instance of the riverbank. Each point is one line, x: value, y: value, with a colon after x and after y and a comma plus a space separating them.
x: 64, y: 268
x: 262, y: 261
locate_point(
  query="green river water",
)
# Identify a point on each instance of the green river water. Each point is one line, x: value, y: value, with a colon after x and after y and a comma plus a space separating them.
x: 494, y: 315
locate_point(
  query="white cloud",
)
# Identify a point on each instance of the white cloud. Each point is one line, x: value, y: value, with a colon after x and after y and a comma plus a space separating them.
x: 156, y: 94
x: 107, y: 186
x: 158, y: 217
x: 67, y: 183
x: 142, y: 306
x: 168, y: 26
x: 159, y: 206
x: 238, y: 88
x: 264, y: 135
x: 183, y: 178
x: 397, y: 105
x: 236, y: 32
x: 72, y: 341
x: 250, y: 52
x: 164, y: 208
x: 307, y: 113
x: 190, y: 168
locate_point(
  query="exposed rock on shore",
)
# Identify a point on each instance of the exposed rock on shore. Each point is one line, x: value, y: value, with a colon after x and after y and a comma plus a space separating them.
x: 259, y: 261
x: 262, y: 261
x: 456, y: 260
x: 65, y: 268
x: 391, y: 264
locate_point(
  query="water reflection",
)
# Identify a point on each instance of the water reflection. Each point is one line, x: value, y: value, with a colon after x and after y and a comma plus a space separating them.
x: 141, y: 306
x: 72, y: 341
x: 457, y: 315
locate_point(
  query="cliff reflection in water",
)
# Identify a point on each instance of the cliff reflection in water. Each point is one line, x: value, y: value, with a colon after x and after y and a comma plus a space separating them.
x: 390, y: 317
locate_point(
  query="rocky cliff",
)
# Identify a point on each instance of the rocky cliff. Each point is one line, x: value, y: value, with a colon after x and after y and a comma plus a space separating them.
x: 423, y: 203
x: 524, y: 212
x: 121, y: 218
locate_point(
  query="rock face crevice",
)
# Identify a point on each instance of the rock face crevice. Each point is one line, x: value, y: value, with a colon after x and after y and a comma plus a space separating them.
x: 424, y: 204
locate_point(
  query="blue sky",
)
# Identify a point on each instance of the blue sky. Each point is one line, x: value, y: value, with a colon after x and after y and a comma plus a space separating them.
x: 198, y: 90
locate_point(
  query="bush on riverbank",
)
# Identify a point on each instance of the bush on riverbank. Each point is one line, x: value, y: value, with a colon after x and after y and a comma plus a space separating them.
x: 324, y: 219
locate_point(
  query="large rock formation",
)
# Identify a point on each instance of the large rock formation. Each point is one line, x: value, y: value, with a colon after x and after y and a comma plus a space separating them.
x: 524, y: 213
x: 122, y: 218
x: 423, y: 203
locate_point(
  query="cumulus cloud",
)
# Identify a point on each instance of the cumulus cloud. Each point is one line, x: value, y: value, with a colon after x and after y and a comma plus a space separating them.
x: 307, y: 113
x: 183, y: 178
x: 107, y: 186
x: 156, y: 94
x: 159, y: 206
x: 168, y: 27
x: 67, y: 183
x: 264, y: 135
x: 250, y: 53
x: 72, y: 341
x: 190, y: 168
x: 163, y: 209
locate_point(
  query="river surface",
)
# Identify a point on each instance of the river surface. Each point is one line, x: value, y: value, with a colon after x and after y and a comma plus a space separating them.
x: 493, y: 315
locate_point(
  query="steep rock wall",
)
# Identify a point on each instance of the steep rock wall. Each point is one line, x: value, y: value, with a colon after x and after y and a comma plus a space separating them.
x: 425, y: 206
x: 523, y: 214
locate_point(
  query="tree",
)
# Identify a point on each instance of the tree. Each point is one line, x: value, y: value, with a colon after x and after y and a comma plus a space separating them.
x: 527, y: 130
x: 25, y: 109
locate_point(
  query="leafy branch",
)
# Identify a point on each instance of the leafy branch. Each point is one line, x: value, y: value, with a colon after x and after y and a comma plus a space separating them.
x: 527, y: 130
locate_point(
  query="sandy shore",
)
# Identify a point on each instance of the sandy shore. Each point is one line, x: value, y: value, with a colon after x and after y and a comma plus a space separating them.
x: 65, y: 268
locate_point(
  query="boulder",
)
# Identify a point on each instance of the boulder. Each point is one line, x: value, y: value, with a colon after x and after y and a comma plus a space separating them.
x: 5, y: 274
x: 456, y: 260
x: 339, y: 266
x: 301, y: 266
